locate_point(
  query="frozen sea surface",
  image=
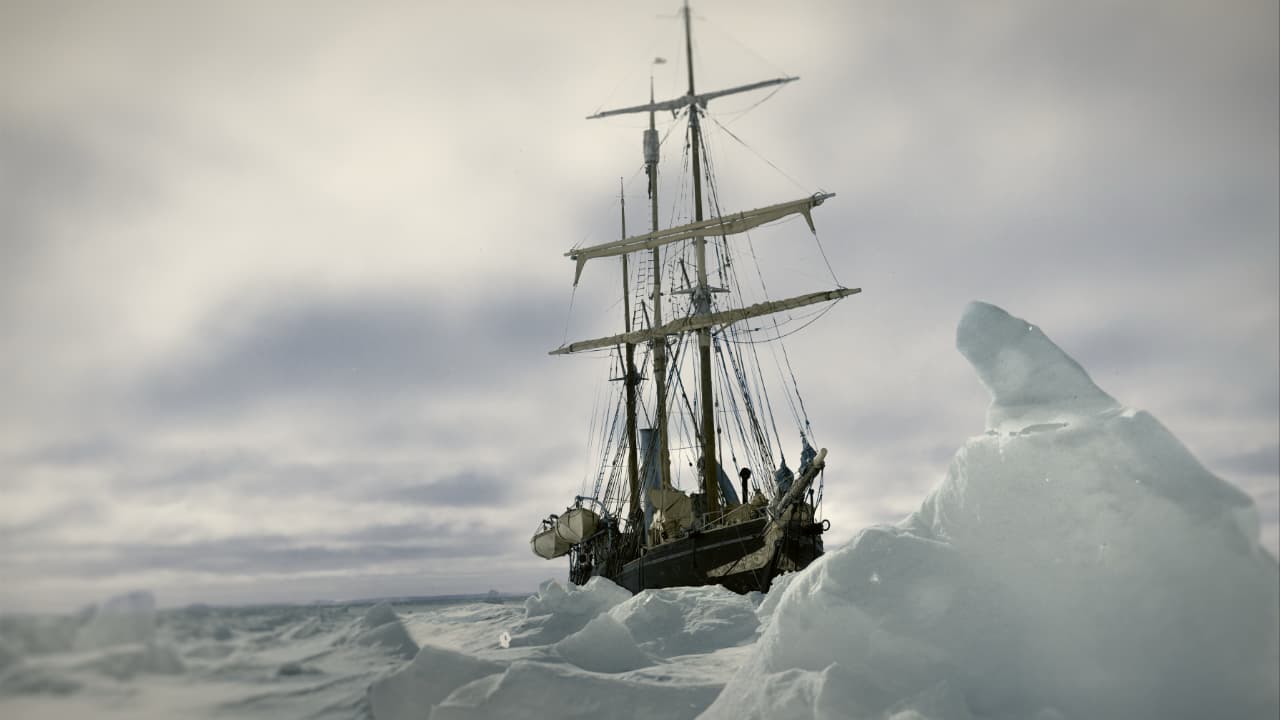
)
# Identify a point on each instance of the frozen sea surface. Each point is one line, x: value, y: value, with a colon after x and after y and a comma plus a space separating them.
x: 364, y: 660
x: 255, y: 662
x: 1076, y: 561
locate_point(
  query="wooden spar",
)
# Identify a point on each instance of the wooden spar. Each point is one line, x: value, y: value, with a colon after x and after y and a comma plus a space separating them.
x: 698, y: 322
x: 692, y: 99
x: 723, y: 225
x: 799, y: 486
x: 659, y: 344
x: 633, y: 472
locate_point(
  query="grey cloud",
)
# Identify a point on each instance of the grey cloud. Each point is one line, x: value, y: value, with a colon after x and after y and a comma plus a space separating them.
x: 82, y: 450
x: 1162, y: 148
x: 145, y: 477
x: 372, y: 347
x: 1269, y: 511
x: 42, y: 169
x: 1134, y: 345
x: 402, y: 532
x: 1261, y: 461
x: 368, y: 480
x: 78, y: 512
x: 49, y: 176
x: 466, y: 489
x: 59, y: 178
x: 263, y: 554
x: 250, y: 555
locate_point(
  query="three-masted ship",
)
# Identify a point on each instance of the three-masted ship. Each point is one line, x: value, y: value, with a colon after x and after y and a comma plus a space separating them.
x: 633, y: 523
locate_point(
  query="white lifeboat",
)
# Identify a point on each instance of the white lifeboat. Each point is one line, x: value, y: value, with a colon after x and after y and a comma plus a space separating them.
x: 577, y: 524
x: 547, y: 543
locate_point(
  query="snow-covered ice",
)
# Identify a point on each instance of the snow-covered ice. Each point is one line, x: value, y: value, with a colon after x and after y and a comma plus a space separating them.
x: 1076, y: 561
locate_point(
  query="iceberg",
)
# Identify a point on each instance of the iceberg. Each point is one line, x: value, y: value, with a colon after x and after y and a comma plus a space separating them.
x: 1076, y: 562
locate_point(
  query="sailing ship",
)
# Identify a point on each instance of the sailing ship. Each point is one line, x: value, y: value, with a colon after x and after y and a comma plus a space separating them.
x: 633, y: 523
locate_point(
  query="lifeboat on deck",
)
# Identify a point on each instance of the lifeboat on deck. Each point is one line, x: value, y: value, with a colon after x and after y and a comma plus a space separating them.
x: 577, y: 524
x: 547, y: 543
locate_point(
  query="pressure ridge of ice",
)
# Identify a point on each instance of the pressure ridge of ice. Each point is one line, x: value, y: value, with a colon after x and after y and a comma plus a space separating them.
x: 1075, y: 562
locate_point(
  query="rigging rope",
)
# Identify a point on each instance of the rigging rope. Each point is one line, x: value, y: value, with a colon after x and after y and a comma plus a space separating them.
x: 810, y: 318
x: 730, y: 37
x: 762, y: 385
x: 739, y: 114
x: 573, y: 295
x: 764, y: 159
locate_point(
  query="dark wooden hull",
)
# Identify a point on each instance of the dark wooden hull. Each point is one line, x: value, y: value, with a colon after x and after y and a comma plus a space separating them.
x: 742, y: 557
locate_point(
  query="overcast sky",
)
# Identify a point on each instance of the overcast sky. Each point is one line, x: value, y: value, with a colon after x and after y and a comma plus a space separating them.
x: 277, y: 280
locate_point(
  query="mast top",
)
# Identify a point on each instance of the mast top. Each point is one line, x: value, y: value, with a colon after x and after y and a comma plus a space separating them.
x: 690, y: 99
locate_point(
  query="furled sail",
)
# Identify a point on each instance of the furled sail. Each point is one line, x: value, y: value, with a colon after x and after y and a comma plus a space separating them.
x: 697, y: 322
x: 699, y: 99
x: 724, y: 225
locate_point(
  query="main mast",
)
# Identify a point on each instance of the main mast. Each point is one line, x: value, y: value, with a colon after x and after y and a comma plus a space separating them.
x: 702, y: 293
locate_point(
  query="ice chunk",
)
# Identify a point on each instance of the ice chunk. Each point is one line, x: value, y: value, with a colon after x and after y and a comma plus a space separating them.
x: 533, y: 689
x: 123, y: 662
x: 410, y: 692
x: 596, y: 596
x: 391, y: 636
x: 380, y: 626
x: 684, y: 620
x: 39, y: 680
x: 1032, y: 381
x: 1130, y: 585
x: 558, y: 611
x: 604, y: 645
x: 41, y: 634
x: 940, y: 702
x: 124, y: 619
x: 379, y: 615
x: 777, y: 589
